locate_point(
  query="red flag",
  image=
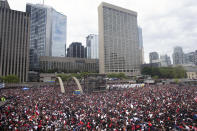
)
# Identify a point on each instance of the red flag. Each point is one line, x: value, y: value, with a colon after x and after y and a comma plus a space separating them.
x: 36, y: 106
x: 195, y: 99
x: 149, y: 124
x: 37, y: 112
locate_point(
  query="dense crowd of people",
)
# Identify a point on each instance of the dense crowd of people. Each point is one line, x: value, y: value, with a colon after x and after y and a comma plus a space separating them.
x: 164, y: 107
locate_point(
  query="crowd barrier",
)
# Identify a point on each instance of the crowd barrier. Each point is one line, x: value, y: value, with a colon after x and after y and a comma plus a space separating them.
x: 125, y: 85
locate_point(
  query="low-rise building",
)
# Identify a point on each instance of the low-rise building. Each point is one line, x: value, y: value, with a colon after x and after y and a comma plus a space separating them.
x: 191, y: 72
x: 68, y: 65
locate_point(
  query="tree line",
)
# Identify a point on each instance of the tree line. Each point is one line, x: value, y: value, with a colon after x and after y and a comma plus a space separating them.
x: 117, y: 75
x: 164, y: 72
x: 66, y: 77
x: 9, y: 79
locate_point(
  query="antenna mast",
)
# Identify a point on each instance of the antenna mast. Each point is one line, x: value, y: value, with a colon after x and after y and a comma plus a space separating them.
x: 43, y: 2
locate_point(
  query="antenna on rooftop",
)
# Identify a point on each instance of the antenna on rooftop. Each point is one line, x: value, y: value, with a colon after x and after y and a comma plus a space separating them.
x: 43, y: 2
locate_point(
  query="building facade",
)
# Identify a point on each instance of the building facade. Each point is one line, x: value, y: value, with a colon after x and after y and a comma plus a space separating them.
x: 14, y: 42
x: 195, y: 57
x: 153, y: 57
x: 48, y: 33
x: 68, y: 65
x: 92, y: 46
x: 141, y: 48
x: 191, y: 72
x: 189, y: 58
x: 4, y: 4
x: 118, y: 40
x: 165, y: 60
x: 178, y: 56
x: 76, y: 50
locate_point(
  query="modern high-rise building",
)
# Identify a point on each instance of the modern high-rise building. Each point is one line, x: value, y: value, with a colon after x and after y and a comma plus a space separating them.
x: 165, y: 60
x: 14, y: 42
x: 141, y: 48
x: 153, y: 57
x: 195, y: 57
x: 190, y: 58
x: 48, y: 33
x: 4, y: 4
x: 178, y: 56
x: 92, y: 46
x: 59, y: 32
x: 118, y: 40
x: 76, y: 49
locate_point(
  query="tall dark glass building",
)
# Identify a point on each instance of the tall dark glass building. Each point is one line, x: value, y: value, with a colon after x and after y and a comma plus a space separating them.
x: 76, y: 49
x: 153, y: 57
x: 14, y: 42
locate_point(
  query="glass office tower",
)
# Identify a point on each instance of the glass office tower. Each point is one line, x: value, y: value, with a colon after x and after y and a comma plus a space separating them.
x: 47, y: 33
x: 92, y: 46
x: 58, y: 34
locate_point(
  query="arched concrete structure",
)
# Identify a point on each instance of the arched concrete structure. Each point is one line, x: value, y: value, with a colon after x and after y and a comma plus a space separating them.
x: 61, y: 84
x: 78, y: 84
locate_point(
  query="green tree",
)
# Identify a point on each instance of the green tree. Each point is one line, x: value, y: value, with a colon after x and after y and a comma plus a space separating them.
x: 117, y: 75
x: 10, y: 79
x: 176, y: 81
x: 155, y: 77
x: 146, y: 71
x: 64, y: 77
x: 2, y: 78
x: 179, y: 72
x: 164, y: 72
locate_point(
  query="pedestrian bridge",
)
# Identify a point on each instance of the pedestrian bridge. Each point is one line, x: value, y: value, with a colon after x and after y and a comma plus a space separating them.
x: 62, y: 84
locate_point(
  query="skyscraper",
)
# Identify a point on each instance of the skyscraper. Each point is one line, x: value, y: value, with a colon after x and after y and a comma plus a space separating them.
x: 48, y: 33
x: 59, y: 28
x: 118, y: 40
x: 92, y: 46
x: 178, y: 56
x: 76, y: 49
x: 141, y: 48
x: 195, y: 57
x: 165, y: 60
x: 153, y: 57
x: 4, y: 4
x: 190, y: 58
x: 14, y: 42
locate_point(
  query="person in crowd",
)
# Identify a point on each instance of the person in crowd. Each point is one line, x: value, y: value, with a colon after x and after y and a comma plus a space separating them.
x: 151, y: 108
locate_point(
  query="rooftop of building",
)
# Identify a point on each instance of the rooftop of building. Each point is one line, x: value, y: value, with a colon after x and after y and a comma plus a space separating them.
x: 118, y: 8
x: 190, y: 68
x: 62, y: 59
x: 39, y: 5
x: 4, y: 4
x: 45, y: 6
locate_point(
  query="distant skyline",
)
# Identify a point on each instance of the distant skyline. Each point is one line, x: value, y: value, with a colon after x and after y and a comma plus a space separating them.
x: 165, y: 23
